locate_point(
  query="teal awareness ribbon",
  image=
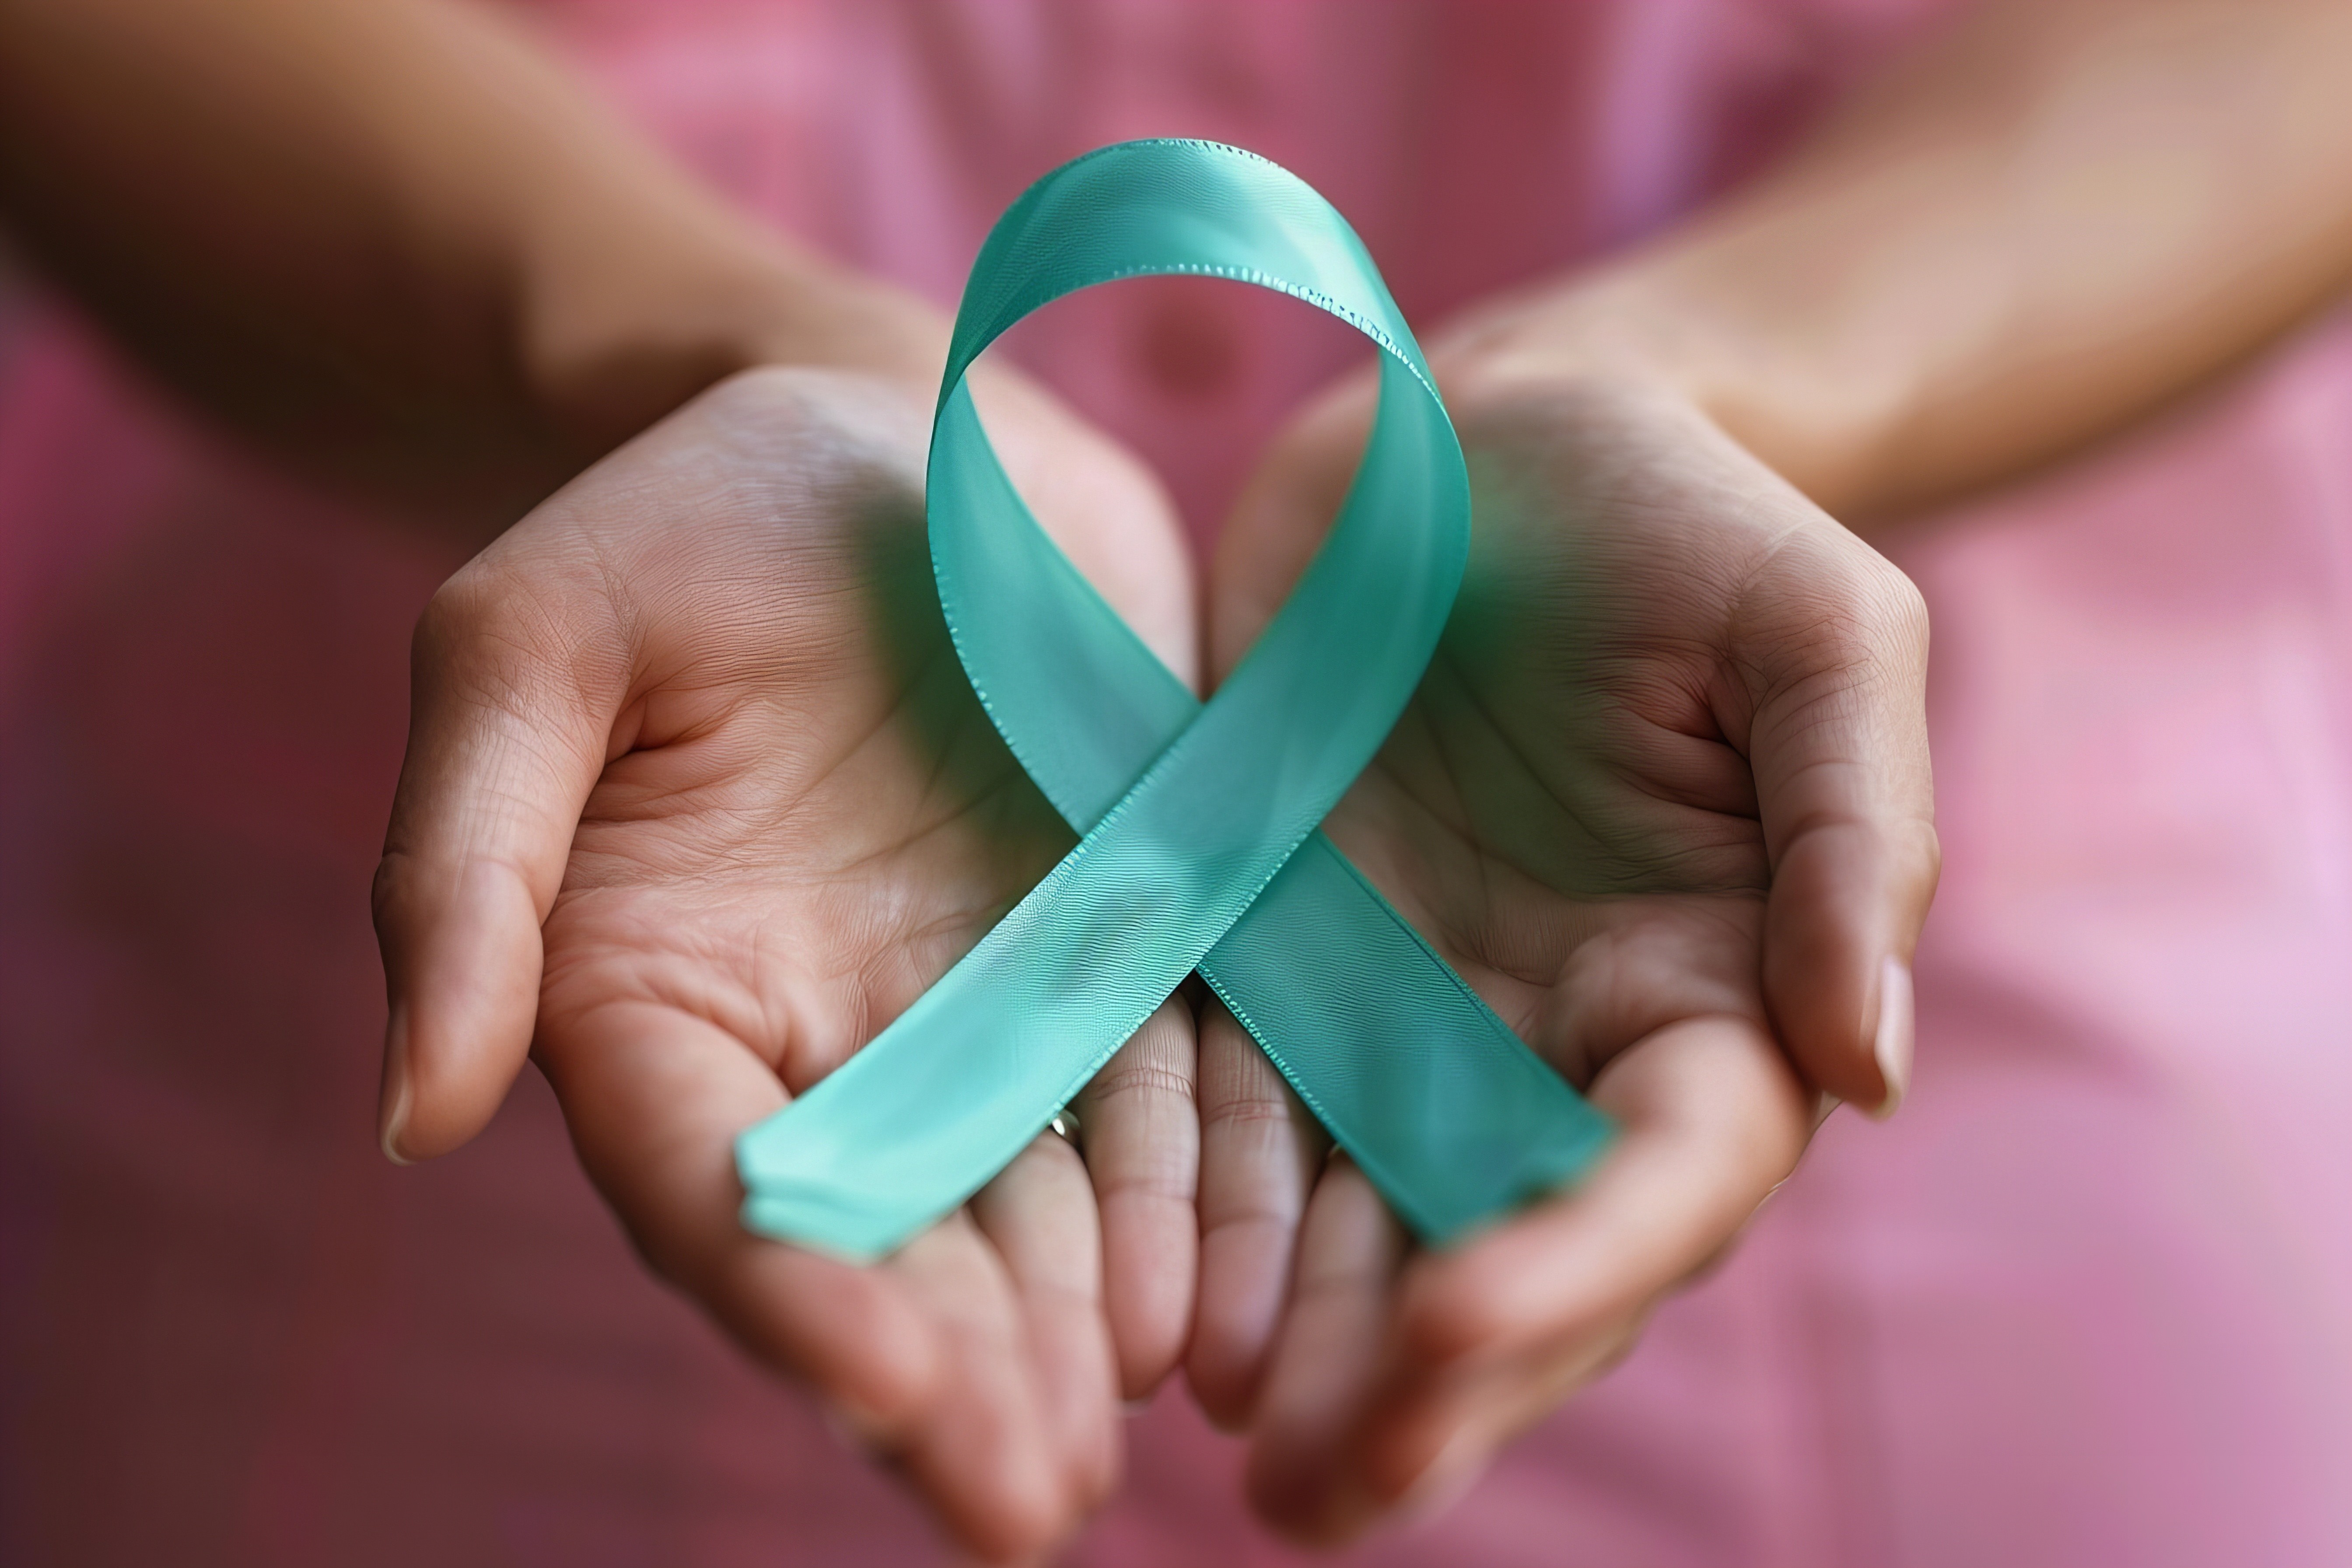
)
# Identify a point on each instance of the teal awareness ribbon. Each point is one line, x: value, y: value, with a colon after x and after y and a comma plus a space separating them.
x: 1199, y: 847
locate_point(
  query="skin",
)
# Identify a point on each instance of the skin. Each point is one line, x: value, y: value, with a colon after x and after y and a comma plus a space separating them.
x: 691, y: 823
x: 1664, y: 797
x: 694, y: 801
x: 692, y: 807
x: 1664, y: 800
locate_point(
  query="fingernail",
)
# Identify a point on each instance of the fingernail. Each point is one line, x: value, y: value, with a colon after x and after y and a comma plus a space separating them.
x: 394, y: 1098
x: 1892, y: 1046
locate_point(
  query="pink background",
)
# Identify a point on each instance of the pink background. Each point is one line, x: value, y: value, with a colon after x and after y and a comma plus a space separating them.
x: 2084, y: 1302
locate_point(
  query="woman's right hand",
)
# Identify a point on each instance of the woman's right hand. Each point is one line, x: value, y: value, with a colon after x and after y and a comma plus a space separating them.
x: 697, y: 799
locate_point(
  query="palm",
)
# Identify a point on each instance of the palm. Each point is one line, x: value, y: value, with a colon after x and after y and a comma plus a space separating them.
x: 1572, y: 810
x: 799, y: 819
x: 1565, y: 806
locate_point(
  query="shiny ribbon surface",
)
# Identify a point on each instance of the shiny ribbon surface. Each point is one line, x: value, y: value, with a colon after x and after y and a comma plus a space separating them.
x: 1199, y: 846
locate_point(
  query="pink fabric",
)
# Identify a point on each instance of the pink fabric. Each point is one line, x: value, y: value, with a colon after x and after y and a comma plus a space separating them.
x: 2084, y: 1302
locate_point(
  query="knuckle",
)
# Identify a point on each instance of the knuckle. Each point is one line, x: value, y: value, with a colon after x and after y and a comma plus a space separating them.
x: 473, y: 597
x: 500, y: 638
x: 1125, y: 1079
x: 1830, y: 617
x: 1876, y: 619
x: 1894, y: 610
x: 1247, y: 1114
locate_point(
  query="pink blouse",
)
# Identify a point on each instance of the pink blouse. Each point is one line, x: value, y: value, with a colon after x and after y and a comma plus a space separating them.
x: 2087, y: 1301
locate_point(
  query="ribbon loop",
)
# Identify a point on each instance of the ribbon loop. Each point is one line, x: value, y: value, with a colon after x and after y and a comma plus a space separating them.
x: 1198, y: 846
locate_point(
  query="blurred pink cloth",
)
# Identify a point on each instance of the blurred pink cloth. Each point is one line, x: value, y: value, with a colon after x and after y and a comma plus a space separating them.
x: 2087, y: 1301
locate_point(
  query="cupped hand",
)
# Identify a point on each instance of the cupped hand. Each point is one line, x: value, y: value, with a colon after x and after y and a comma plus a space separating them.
x: 697, y: 799
x: 1663, y: 798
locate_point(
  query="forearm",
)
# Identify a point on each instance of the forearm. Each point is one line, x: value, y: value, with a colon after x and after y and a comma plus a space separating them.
x: 395, y: 239
x: 2038, y: 227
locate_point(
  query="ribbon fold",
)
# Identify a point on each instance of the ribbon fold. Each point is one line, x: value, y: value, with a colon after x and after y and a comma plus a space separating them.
x: 1199, y: 847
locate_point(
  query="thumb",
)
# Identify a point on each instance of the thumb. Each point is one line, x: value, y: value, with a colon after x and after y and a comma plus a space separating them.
x: 508, y: 723
x: 1838, y: 742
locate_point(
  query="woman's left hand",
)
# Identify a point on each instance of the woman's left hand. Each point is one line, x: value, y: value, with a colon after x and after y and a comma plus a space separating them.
x: 1663, y: 798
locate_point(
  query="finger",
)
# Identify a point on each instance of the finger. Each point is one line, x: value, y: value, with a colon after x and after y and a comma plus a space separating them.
x: 1260, y: 1154
x: 926, y: 1358
x: 1323, y: 1369
x: 1490, y: 1334
x: 1710, y: 1119
x: 654, y: 1098
x: 1140, y: 1129
x: 507, y: 735
x: 1039, y: 1213
x: 1420, y: 1456
x: 1838, y: 745
x: 984, y: 1452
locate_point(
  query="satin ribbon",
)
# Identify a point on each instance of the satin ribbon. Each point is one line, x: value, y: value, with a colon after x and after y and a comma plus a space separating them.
x: 1199, y: 847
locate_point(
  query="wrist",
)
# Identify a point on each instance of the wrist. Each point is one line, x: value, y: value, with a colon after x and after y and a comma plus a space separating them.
x: 620, y: 321
x: 1667, y: 324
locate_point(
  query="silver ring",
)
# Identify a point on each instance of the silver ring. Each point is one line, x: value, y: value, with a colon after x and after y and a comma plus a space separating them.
x: 1064, y: 1126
